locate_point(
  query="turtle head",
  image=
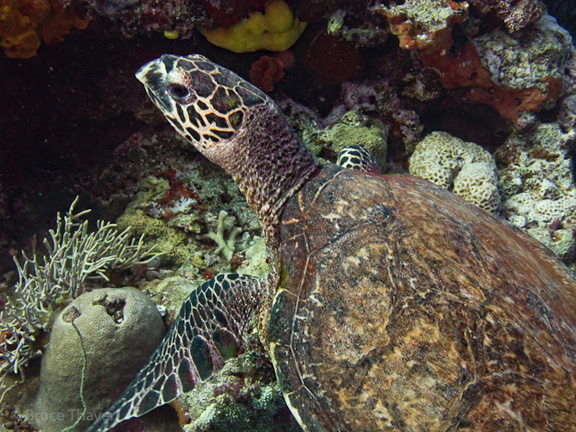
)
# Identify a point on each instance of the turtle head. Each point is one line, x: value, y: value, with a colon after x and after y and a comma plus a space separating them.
x: 233, y: 124
x: 203, y: 101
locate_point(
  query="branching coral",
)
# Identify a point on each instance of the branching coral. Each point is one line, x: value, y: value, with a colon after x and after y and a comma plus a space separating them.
x: 74, y: 256
x: 25, y: 23
x: 225, y: 246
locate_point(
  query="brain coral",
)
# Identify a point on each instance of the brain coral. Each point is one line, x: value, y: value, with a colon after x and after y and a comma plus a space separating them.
x: 464, y: 168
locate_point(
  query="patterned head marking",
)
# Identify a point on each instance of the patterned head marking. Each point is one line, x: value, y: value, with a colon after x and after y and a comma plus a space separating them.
x: 205, y: 102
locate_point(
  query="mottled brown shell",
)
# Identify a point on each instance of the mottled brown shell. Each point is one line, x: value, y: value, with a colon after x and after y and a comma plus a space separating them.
x: 402, y: 307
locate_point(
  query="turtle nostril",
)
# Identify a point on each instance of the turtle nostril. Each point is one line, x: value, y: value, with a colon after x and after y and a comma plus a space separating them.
x: 178, y: 91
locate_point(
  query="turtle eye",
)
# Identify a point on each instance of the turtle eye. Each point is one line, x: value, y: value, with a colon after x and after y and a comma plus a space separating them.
x: 178, y: 92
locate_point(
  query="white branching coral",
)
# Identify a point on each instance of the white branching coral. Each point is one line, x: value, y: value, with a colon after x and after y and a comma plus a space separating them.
x: 464, y: 168
x: 226, y: 247
x: 74, y: 256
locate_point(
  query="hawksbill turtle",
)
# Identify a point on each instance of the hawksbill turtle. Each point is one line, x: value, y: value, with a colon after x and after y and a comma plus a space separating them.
x: 391, y: 305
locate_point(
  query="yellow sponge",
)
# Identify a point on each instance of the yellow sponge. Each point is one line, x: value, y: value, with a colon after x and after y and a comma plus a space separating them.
x: 274, y: 30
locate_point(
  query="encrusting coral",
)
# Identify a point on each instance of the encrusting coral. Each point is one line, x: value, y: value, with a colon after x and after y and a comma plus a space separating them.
x: 275, y: 30
x: 512, y: 73
x: 537, y: 186
x: 425, y: 26
x: 74, y: 257
x: 465, y: 168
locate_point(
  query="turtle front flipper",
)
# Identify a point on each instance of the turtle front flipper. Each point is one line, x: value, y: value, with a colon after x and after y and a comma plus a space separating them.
x: 358, y: 158
x: 208, y: 330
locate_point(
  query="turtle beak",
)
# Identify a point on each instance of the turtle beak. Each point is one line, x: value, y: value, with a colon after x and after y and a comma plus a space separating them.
x: 153, y: 76
x: 148, y: 71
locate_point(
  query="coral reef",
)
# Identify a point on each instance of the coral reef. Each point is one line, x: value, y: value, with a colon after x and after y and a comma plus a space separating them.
x: 326, y: 137
x: 515, y: 14
x: 377, y: 99
x: 74, y: 257
x: 537, y: 186
x: 512, y: 73
x: 365, y: 34
x: 274, y: 30
x: 25, y: 23
x: 102, y: 338
x: 242, y: 396
x: 464, y: 168
x: 425, y: 26
x: 532, y: 66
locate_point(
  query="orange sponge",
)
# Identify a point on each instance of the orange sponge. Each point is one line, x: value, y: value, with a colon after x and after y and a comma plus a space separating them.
x: 25, y: 23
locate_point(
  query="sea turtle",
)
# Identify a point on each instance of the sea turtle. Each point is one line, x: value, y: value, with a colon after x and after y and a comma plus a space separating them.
x: 392, y: 304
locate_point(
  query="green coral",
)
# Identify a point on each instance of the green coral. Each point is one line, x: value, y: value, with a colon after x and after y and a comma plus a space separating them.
x: 352, y: 128
x: 243, y: 396
x: 171, y: 242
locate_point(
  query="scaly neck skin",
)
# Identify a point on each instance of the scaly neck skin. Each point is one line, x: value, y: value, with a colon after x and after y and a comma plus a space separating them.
x: 270, y: 164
